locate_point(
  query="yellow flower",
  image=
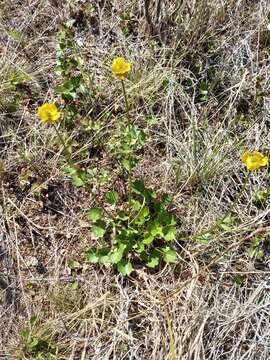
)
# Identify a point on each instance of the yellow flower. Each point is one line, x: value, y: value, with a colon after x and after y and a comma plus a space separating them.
x: 48, y: 113
x: 120, y: 68
x: 255, y: 160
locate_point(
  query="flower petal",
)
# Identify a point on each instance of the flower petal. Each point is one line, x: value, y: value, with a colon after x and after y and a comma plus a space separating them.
x: 264, y: 161
x: 245, y: 157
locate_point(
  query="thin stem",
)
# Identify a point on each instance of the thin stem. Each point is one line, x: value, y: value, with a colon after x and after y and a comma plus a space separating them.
x: 126, y: 100
x: 62, y: 142
x: 129, y: 157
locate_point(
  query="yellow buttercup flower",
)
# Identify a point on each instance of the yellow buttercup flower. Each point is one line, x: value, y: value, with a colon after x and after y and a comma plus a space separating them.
x: 48, y: 113
x: 120, y: 68
x: 254, y: 161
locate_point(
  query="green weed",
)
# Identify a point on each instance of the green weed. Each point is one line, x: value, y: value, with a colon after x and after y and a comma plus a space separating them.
x: 37, y: 342
x: 142, y: 233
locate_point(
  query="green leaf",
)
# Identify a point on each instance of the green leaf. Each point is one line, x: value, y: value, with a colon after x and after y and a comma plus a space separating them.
x: 152, y: 120
x: 255, y: 252
x: 105, y: 259
x: 138, y: 186
x: 167, y: 218
x: 70, y: 170
x: 117, y: 253
x: 116, y: 256
x: 136, y: 205
x: 94, y: 214
x: 15, y: 35
x: 172, y: 219
x: 25, y: 333
x: 143, y: 216
x: 125, y: 30
x: 154, y: 259
x: 166, y: 199
x: 34, y: 342
x: 169, y: 255
x: 239, y: 280
x: 204, y: 238
x: 127, y: 164
x: 92, y: 256
x: 77, y: 181
x: 58, y: 70
x: 13, y: 104
x: 170, y: 233
x: 112, y: 197
x: 145, y: 212
x: 148, y: 239
x: 99, y: 229
x: 74, y: 285
x: 125, y: 267
x: 139, y: 247
x: 156, y: 229
x: 121, y: 215
x: 204, y: 91
x: 227, y: 223
x: 98, y: 256
x: 153, y: 262
x: 149, y: 195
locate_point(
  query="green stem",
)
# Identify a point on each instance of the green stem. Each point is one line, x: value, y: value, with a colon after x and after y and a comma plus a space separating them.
x: 126, y: 100
x: 62, y: 142
x: 129, y: 157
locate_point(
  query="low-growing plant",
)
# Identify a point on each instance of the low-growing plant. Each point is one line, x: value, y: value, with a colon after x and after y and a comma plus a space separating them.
x: 36, y: 343
x: 74, y: 85
x: 127, y: 140
x: 260, y: 197
x: 138, y: 231
x: 15, y: 83
x: 82, y: 177
x: 255, y: 250
x: 141, y: 233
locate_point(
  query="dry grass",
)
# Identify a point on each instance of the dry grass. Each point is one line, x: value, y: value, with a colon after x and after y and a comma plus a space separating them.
x: 214, y: 303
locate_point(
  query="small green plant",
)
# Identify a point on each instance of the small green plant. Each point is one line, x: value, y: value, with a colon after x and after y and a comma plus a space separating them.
x: 74, y: 85
x: 255, y: 249
x: 82, y: 177
x: 260, y: 197
x: 14, y: 85
x: 37, y: 344
x: 125, y: 143
x: 16, y: 35
x: 126, y: 23
x: 141, y: 233
x: 204, y: 91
